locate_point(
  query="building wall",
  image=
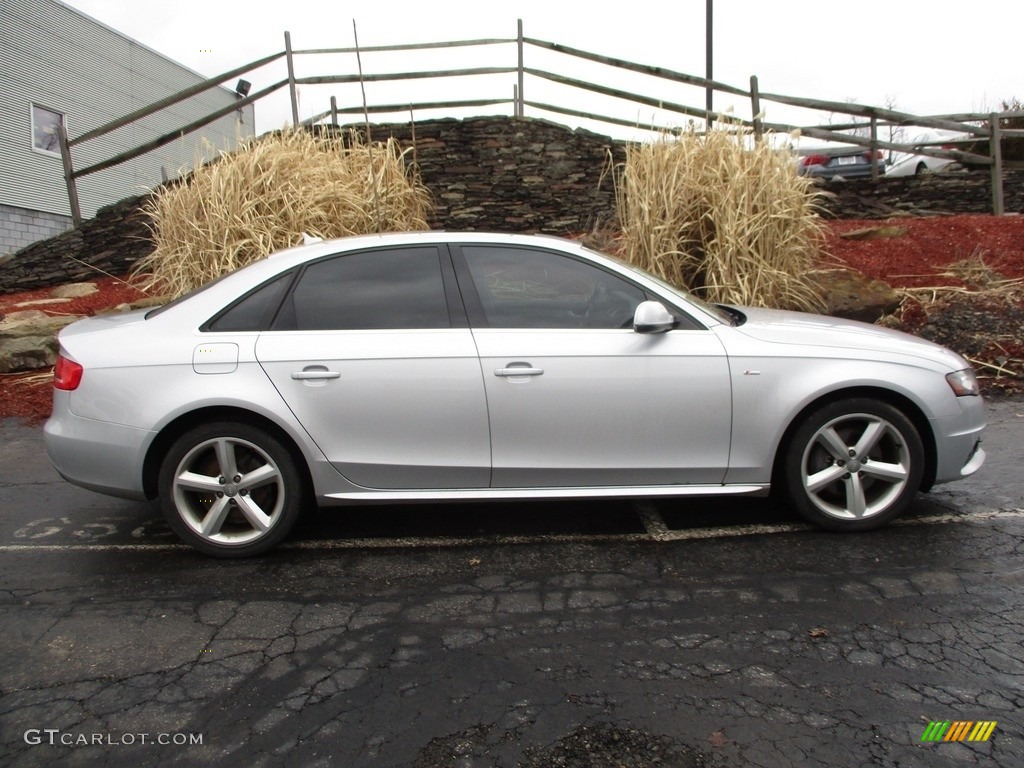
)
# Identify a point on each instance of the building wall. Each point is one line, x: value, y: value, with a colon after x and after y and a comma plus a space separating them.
x: 20, y: 227
x: 56, y: 57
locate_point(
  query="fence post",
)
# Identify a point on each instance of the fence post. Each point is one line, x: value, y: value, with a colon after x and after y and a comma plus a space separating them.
x: 518, y: 110
x: 291, y: 79
x: 755, y: 108
x: 69, y: 174
x: 996, y: 151
x: 334, y: 111
x: 874, y: 148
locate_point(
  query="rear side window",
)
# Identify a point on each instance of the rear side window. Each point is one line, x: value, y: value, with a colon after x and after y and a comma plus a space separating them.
x: 255, y: 311
x: 400, y: 288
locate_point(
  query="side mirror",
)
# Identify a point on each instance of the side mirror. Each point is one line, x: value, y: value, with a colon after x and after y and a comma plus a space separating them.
x: 652, y: 317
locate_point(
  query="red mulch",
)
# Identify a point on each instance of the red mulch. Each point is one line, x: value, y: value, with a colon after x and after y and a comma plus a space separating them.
x: 25, y: 395
x: 986, y: 327
x: 981, y: 328
x: 112, y: 291
x: 917, y: 258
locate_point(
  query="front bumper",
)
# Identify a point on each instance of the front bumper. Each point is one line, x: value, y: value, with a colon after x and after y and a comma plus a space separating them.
x: 958, y: 438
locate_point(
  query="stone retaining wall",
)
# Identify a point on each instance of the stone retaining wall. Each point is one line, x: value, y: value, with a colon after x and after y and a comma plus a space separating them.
x: 929, y: 194
x: 498, y: 174
x: 511, y: 174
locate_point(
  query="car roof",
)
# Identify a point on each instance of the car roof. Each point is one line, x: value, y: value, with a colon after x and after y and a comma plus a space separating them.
x: 356, y: 242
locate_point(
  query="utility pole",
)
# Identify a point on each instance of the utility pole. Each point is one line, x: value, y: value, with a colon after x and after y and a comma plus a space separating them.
x: 707, y: 50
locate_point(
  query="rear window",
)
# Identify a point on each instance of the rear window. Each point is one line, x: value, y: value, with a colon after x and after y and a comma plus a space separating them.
x: 255, y: 311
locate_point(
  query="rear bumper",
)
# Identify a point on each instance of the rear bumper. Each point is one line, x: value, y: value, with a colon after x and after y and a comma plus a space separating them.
x: 97, y: 455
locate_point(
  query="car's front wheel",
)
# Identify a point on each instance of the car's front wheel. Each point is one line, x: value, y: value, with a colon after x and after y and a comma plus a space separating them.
x: 853, y: 465
x: 230, y: 489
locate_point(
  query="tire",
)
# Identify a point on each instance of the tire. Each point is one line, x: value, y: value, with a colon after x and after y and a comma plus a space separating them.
x: 921, y: 169
x: 853, y: 465
x: 230, y: 489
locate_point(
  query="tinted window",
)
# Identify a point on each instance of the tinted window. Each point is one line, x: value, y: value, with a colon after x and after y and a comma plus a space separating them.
x: 255, y: 311
x: 399, y: 288
x: 525, y: 288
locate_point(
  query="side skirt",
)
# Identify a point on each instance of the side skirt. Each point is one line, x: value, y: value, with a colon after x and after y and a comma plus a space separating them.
x: 499, y: 494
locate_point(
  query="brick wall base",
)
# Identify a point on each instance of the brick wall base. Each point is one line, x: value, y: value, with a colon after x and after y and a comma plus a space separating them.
x: 20, y: 227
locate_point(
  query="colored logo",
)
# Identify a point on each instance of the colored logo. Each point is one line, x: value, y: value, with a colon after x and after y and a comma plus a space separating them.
x: 958, y: 730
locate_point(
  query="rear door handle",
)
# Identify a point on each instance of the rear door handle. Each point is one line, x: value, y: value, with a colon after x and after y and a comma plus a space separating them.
x: 307, y: 375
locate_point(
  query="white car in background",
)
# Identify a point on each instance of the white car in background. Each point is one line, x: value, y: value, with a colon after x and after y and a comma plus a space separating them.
x: 909, y: 164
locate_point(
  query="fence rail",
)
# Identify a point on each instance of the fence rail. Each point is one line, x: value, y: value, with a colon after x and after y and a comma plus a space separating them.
x: 987, y: 128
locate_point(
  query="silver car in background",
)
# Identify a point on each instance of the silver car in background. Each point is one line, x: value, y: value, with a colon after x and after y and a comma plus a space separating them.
x: 842, y: 161
x: 439, y: 366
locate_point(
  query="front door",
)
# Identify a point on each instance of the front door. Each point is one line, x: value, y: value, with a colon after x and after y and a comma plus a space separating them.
x: 576, y: 397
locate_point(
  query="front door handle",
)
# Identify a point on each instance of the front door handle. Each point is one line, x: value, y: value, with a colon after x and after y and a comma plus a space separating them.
x: 518, y: 371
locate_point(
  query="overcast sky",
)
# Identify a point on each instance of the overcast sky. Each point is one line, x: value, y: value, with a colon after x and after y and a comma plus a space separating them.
x: 934, y: 57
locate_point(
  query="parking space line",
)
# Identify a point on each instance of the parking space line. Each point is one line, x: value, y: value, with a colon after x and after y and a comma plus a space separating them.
x: 654, y: 524
x: 955, y: 517
x: 652, y: 520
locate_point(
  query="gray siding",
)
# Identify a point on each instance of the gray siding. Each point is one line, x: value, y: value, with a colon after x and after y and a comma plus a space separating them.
x: 56, y: 57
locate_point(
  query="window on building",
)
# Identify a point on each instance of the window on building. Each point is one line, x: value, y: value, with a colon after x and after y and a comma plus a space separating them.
x: 44, y: 129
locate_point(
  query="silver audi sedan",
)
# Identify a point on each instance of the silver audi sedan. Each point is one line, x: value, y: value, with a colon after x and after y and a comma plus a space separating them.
x: 440, y: 366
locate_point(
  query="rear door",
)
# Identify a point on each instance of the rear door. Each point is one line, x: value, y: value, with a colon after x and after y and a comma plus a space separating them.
x: 372, y: 353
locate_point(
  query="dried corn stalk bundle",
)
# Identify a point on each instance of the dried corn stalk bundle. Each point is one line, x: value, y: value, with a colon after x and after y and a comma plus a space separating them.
x: 264, y: 196
x: 725, y: 218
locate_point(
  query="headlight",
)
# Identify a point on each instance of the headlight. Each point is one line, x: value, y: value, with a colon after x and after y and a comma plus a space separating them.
x: 964, y: 383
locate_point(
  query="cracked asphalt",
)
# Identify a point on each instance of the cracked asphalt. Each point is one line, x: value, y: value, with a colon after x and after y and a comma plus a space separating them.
x: 710, y: 633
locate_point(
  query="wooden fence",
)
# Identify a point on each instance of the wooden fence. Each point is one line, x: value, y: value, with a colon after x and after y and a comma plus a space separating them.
x: 987, y: 128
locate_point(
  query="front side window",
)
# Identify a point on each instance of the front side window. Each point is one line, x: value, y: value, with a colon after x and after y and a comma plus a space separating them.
x: 44, y: 129
x: 527, y: 288
x: 400, y: 288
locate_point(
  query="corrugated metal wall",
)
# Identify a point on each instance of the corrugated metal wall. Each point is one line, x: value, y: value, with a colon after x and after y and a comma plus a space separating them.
x: 53, y: 56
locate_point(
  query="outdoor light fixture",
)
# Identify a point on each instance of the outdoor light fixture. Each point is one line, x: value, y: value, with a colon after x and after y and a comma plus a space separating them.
x: 242, y: 89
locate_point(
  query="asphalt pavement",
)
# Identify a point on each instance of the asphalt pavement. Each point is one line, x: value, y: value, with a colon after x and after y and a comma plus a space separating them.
x: 677, y: 633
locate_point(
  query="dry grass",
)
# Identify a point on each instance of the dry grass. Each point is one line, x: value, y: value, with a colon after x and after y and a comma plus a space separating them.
x: 20, y: 379
x: 264, y: 196
x: 731, y: 223
x: 977, y: 277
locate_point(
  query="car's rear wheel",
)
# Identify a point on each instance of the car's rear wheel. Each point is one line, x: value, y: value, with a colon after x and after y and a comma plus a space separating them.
x: 230, y: 489
x: 853, y: 465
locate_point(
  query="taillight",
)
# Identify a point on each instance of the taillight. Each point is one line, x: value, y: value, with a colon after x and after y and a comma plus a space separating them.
x: 67, y: 374
x: 815, y: 160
